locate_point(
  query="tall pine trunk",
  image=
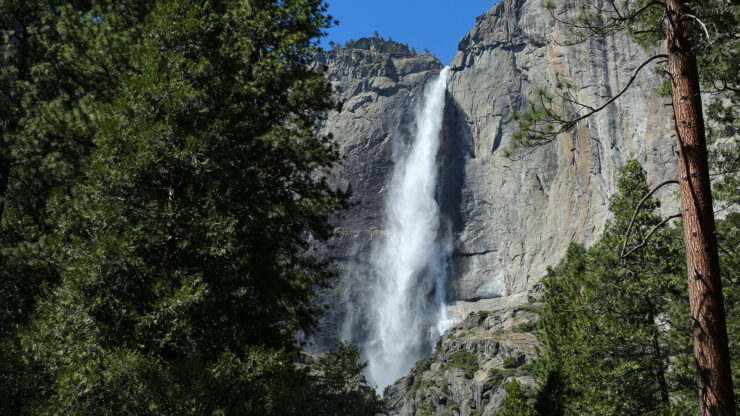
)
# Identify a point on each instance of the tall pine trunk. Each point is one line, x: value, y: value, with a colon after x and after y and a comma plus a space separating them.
x: 714, y: 379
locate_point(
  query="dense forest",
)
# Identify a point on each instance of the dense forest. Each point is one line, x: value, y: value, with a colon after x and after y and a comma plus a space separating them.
x: 158, y: 198
x: 164, y: 188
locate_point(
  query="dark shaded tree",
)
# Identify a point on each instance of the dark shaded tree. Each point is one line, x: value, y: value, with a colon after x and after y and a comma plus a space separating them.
x: 57, y: 64
x: 181, y: 188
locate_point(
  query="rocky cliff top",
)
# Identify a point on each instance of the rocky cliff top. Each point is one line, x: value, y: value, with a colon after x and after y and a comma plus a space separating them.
x: 374, y: 65
x: 379, y: 45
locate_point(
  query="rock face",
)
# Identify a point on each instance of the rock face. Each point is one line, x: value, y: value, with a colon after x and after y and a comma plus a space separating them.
x: 510, y: 219
x: 517, y: 217
x: 472, y: 363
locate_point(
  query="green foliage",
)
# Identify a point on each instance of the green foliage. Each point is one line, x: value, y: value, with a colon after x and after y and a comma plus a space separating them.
x: 161, y: 187
x: 426, y: 409
x: 538, y: 124
x: 719, y: 66
x: 526, y: 368
x: 607, y: 319
x: 498, y: 333
x: 57, y: 66
x: 443, y: 384
x: 529, y: 307
x: 728, y: 236
x: 495, y: 377
x: 418, y: 381
x: 510, y: 362
x: 526, y: 327
x: 516, y: 402
x: 665, y: 88
x: 487, y: 313
x: 382, y: 46
x: 337, y: 391
x: 464, y: 360
x: 422, y: 365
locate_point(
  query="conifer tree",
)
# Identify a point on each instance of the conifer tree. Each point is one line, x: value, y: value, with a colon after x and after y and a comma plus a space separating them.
x: 615, y: 333
x: 181, y: 241
x: 58, y: 61
x: 516, y: 402
x: 611, y: 328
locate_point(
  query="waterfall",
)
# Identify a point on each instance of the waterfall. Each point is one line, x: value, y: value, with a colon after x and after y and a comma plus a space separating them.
x: 407, y: 307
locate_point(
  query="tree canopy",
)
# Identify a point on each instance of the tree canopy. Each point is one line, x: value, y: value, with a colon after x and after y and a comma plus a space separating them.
x: 163, y: 186
x: 615, y: 333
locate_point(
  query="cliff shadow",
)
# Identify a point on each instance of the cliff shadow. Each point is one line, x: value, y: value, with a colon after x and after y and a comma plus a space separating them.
x: 455, y: 149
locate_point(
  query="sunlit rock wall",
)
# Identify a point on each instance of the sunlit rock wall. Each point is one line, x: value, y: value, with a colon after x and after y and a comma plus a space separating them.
x: 517, y: 217
x: 510, y: 219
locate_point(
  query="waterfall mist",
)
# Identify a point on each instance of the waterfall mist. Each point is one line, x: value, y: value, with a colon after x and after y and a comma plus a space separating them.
x: 407, y: 306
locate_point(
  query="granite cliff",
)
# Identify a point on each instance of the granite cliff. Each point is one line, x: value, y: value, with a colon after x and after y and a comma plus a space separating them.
x: 517, y: 217
x: 509, y: 219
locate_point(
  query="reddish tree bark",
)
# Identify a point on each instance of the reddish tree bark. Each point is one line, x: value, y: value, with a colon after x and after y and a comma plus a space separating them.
x: 702, y: 258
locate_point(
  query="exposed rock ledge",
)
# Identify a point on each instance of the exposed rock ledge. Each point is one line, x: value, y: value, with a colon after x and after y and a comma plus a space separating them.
x: 470, y: 366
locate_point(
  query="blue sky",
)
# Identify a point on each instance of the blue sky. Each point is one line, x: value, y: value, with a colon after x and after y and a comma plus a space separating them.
x: 437, y: 25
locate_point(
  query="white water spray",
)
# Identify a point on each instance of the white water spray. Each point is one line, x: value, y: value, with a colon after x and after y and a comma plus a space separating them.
x: 408, y: 306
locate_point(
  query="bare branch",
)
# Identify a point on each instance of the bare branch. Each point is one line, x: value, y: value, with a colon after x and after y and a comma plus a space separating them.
x: 647, y: 237
x: 703, y: 26
x: 542, y: 125
x: 637, y: 210
x: 622, y: 91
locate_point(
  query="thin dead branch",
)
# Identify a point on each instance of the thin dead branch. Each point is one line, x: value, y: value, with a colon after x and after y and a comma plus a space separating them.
x: 703, y: 26
x: 637, y: 211
x: 647, y: 237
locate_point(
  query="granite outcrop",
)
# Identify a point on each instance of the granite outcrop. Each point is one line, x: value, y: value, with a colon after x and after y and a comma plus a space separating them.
x: 510, y: 217
x: 467, y: 373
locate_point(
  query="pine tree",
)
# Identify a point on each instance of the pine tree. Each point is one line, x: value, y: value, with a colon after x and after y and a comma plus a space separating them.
x: 559, y: 335
x: 516, y: 402
x: 614, y: 335
x: 614, y: 332
x: 57, y: 63
x: 186, y: 245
